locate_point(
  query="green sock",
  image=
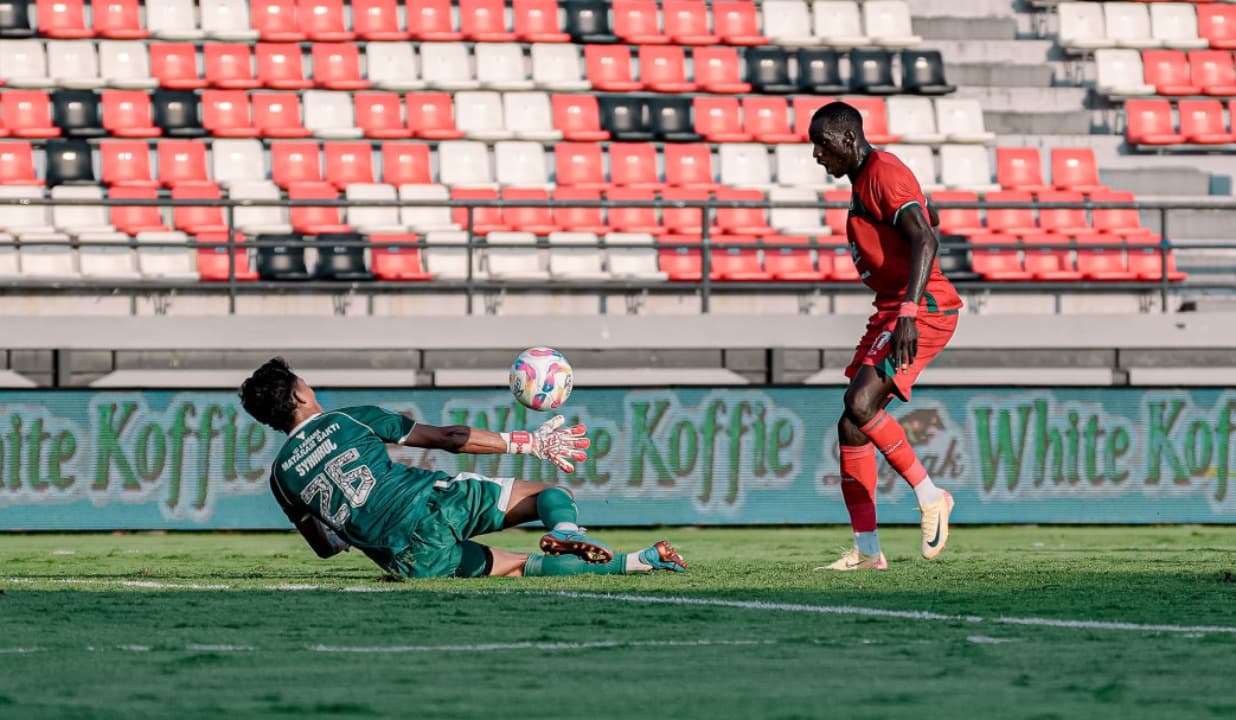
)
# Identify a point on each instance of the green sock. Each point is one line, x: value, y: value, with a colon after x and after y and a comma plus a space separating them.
x: 557, y: 566
x: 555, y: 506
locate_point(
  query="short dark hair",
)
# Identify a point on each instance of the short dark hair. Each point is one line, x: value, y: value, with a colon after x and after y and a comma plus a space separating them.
x: 838, y: 116
x: 267, y: 394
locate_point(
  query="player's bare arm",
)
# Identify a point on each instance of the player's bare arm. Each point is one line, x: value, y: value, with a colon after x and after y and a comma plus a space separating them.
x: 923, y: 246
x: 562, y: 446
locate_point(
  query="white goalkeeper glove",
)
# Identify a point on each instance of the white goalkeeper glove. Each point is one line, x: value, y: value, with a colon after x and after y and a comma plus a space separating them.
x: 551, y: 442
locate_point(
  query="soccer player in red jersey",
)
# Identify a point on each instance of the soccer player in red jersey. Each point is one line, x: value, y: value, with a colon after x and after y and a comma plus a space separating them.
x: 889, y: 229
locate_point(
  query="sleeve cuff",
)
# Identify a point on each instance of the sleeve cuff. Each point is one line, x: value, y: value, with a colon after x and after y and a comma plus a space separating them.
x: 897, y: 214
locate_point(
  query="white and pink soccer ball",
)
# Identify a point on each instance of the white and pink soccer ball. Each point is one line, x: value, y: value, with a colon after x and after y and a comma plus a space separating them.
x: 541, y: 378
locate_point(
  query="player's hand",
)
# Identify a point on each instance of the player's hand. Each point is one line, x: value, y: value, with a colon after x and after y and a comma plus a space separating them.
x: 904, y: 344
x: 560, y: 445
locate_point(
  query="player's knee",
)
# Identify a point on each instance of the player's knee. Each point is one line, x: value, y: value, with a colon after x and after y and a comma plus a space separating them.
x: 861, y: 406
x: 849, y: 433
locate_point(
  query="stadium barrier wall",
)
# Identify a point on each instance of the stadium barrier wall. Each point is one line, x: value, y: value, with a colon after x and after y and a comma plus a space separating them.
x: 84, y: 460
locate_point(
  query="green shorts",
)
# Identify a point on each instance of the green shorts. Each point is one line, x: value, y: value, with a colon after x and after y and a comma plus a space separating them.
x: 460, y: 508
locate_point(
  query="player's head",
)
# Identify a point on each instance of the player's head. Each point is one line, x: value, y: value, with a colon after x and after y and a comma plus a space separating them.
x: 837, y: 133
x: 274, y: 395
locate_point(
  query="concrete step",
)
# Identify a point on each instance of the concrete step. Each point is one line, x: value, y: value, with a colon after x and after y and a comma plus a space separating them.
x: 1021, y: 122
x: 1176, y: 180
x: 996, y: 52
x: 969, y: 8
x: 990, y: 75
x: 966, y: 28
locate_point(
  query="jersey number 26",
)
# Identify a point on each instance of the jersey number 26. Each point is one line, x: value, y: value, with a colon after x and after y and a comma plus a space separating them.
x: 355, y: 484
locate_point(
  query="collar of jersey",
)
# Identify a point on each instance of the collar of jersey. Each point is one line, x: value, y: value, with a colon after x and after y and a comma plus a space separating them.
x: 303, y: 423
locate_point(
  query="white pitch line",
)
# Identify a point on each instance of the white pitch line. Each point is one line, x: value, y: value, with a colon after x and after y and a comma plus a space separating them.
x: 18, y: 650
x: 218, y: 648
x: 107, y: 582
x: 499, y: 647
x: 902, y: 614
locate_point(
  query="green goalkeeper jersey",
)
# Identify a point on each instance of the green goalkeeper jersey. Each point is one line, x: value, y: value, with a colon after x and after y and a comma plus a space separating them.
x: 334, y: 466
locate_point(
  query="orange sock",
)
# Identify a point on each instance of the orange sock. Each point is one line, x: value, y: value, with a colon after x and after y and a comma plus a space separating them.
x: 858, y: 484
x: 890, y: 438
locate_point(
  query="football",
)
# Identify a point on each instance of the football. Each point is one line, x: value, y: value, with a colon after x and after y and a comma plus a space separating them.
x: 541, y: 378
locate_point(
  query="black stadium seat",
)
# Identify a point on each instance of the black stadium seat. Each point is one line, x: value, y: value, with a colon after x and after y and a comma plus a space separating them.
x: 768, y: 70
x: 282, y: 262
x: 819, y: 71
x: 15, y: 19
x: 954, y: 257
x: 340, y: 262
x: 871, y: 72
x: 671, y: 118
x: 587, y: 21
x: 625, y: 118
x: 76, y: 112
x: 922, y: 73
x: 176, y: 112
x: 69, y: 162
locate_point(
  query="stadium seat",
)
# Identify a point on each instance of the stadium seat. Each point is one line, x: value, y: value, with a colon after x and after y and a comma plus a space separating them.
x: 633, y: 219
x: 431, y: 21
x: 392, y: 66
x: 587, y: 21
x: 432, y: 116
x: 74, y: 64
x: 671, y: 120
x: 835, y: 217
x: 580, y: 260
x: 1010, y: 221
x: 24, y: 63
x: 521, y: 164
x: 380, y: 116
x: 684, y: 220
x: 336, y: 66
x: 1020, y: 169
x: 1075, y: 169
x: 1096, y: 262
x: 1128, y: 25
x: 796, y: 167
x: 446, y: 256
x: 405, y: 163
x: 173, y: 20
x: 686, y: 22
x: 1062, y: 221
x: 799, y: 220
x: 1217, y: 25
x: 479, y: 116
x: 323, y: 20
x: 689, y: 166
x: 161, y: 262
x: 579, y: 165
x: 633, y: 256
x: 875, y: 120
x: 790, y: 264
x: 226, y: 113
x: 838, y: 24
x: 577, y: 117
x: 174, y: 65
x: 27, y: 220
x: 1000, y: 264
x: 1214, y: 72
x: 636, y: 22
x: 120, y: 19
x: 84, y: 222
x: 275, y: 20
x: 63, y: 19
x: 329, y: 115
x: 536, y: 21
x: 393, y: 262
x: 625, y: 118
x: 230, y: 66
x: 236, y: 160
x: 578, y: 219
x: 913, y: 119
x: 1168, y: 72
x: 741, y: 221
x: 803, y: 108
x: 663, y: 69
x: 125, y: 64
x: 315, y: 219
x: 347, y: 163
x: 69, y: 162
x: 737, y: 24
x: 464, y: 163
x: 377, y: 20
x: 1120, y: 73
x: 194, y: 219
x: 717, y: 70
x: 787, y: 23
x: 502, y: 66
x: 871, y: 72
x: 75, y: 112
x: 536, y: 220
x: 181, y: 161
x: 682, y: 263
x: 1116, y: 222
x: 958, y: 221
x: 277, y: 115
x: 371, y: 219
x: 227, y: 20
x: 176, y: 113
x: 718, y: 120
x: 609, y: 68
x: 15, y: 19
x: 1144, y: 258
x: 281, y: 67
x: 284, y: 261
x: 125, y: 162
x: 1174, y: 25
x: 1201, y: 123
x: 557, y: 67
x: 922, y: 73
x: 1082, y: 28
x: 966, y: 167
x: 134, y: 219
x: 295, y: 162
x: 126, y: 113
x: 768, y: 70
x: 484, y: 219
x: 745, y: 165
x: 960, y: 120
x: 819, y: 71
x: 17, y: 164
x: 633, y: 165
x: 447, y: 66
x: 484, y: 21
x: 514, y: 256
x: 424, y: 218
x: 767, y: 119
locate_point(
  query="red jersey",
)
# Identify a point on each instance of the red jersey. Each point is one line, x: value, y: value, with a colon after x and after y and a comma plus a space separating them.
x: 885, y: 188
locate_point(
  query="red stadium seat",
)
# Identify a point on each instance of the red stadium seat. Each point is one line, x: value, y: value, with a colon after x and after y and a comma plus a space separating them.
x: 578, y: 219
x: 198, y: 219
x: 315, y: 219
x: 336, y: 66
x: 634, y: 165
x: 635, y: 22
x: 717, y: 119
x: 663, y: 68
x: 537, y: 21
x: 608, y: 68
x: 717, y: 70
x: 689, y: 165
x: 536, y: 220
x: 738, y: 260
x: 134, y: 219
x: 1145, y: 259
x: 281, y: 66
x: 119, y: 19
x: 794, y: 264
x: 633, y: 219
x: 958, y: 221
x: 736, y: 23
x: 835, y: 218
x: 125, y: 162
x: 229, y: 66
x: 580, y: 165
x: 1020, y: 169
x: 348, y: 163
x: 1053, y: 263
x: 875, y: 119
x: 1217, y: 24
x: 1168, y: 72
x: 998, y: 264
x: 1011, y: 221
x: 484, y: 219
x: 17, y: 164
x: 484, y: 21
x: 225, y: 113
x: 684, y: 221
x: 1201, y: 122
x: 295, y: 162
x: 174, y: 65
x: 1102, y: 263
x: 804, y: 108
x: 377, y: 20
x: 126, y: 113
x: 1062, y: 221
x: 843, y: 268
x: 213, y: 262
x: 406, y: 164
x: 742, y: 221
x: 275, y: 20
x: 322, y: 20
x: 380, y: 115
x: 686, y: 22
x: 1122, y: 222
x: 1149, y: 122
x: 681, y: 264
x: 1214, y: 71
x: 63, y: 19
x: 1075, y: 169
x: 768, y: 119
x: 277, y: 115
x: 181, y: 162
x: 430, y: 20
x: 396, y: 263
x: 431, y: 116
x: 578, y: 117
x: 27, y: 114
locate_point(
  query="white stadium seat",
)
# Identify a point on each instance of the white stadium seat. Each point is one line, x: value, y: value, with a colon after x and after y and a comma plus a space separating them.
x: 480, y: 116
x: 447, y: 255
x: 173, y: 20
x: 24, y: 64
x: 425, y: 219
x: 920, y: 161
x: 447, y: 66
x: 529, y: 116
x: 502, y: 66
x: 913, y: 119
x: 796, y: 167
x: 796, y: 221
x: 966, y: 167
x: 84, y: 222
x: 55, y: 261
x: 888, y: 24
x: 1082, y: 27
x: 788, y: 23
x: 1128, y: 25
x: 632, y: 256
x: 329, y: 115
x: 227, y: 20
x: 164, y: 262
x: 514, y: 256
x: 745, y: 165
x: 259, y: 219
x: 125, y: 64
x: 558, y: 67
x: 26, y: 220
x: 576, y: 263
x: 373, y: 219
x: 10, y: 262
x: 392, y: 66
x: 960, y: 120
x: 1120, y: 73
x: 464, y: 163
x: 73, y: 64
x: 235, y: 160
x: 1174, y: 25
x: 838, y: 24
x: 522, y: 164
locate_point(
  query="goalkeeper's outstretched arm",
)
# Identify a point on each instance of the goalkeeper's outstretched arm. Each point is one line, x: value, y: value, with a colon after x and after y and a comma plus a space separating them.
x: 551, y: 441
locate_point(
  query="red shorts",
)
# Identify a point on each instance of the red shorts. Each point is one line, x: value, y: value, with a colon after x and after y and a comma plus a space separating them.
x: 934, y: 332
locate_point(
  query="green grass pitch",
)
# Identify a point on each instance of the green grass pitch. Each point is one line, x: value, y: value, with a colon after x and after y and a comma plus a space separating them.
x: 252, y: 626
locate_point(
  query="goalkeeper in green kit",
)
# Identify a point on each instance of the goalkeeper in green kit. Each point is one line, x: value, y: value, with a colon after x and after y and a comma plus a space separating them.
x: 337, y: 484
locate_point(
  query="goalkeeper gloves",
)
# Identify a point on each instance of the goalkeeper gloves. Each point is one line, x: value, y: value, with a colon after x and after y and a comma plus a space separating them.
x: 551, y: 442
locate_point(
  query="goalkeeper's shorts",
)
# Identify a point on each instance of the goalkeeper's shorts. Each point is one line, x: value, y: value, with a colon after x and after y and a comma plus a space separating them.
x: 459, y: 509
